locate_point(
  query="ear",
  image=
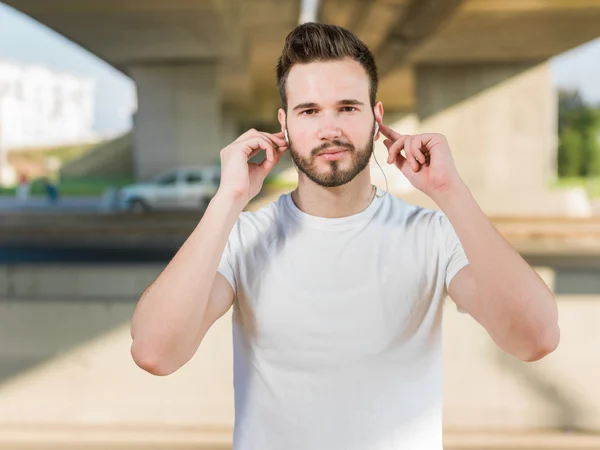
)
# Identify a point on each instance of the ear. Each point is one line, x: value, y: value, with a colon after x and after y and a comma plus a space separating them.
x: 281, y: 118
x: 378, y: 113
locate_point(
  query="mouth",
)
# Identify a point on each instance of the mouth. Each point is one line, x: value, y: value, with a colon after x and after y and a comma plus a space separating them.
x: 333, y: 153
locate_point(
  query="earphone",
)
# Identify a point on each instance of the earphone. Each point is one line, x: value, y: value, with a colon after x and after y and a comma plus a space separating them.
x: 287, y: 139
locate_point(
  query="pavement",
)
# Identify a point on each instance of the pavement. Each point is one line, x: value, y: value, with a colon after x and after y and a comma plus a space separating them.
x: 42, y: 204
x: 534, y: 440
x: 154, y: 437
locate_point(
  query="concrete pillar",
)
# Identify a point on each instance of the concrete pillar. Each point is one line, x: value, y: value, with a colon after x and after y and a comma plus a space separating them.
x: 501, y: 122
x: 230, y: 129
x: 178, y: 121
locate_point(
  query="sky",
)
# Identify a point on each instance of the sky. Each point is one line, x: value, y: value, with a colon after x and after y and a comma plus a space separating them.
x: 25, y: 41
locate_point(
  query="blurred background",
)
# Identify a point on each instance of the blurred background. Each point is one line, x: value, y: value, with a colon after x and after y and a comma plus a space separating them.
x: 112, y: 116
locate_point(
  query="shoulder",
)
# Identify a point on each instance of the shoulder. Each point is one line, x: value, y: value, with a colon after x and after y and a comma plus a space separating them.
x: 400, y: 212
x: 416, y: 223
x: 264, y: 214
x: 259, y: 223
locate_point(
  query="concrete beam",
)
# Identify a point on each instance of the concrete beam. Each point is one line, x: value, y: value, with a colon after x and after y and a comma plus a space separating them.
x: 422, y: 19
x: 508, y: 31
x: 126, y: 31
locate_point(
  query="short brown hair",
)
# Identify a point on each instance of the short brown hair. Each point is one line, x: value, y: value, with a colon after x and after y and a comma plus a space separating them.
x: 312, y: 42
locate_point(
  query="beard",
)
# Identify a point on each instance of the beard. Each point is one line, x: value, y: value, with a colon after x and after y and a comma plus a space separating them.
x: 334, y: 173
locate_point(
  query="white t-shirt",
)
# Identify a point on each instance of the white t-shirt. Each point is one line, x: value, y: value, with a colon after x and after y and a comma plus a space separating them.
x: 337, y: 326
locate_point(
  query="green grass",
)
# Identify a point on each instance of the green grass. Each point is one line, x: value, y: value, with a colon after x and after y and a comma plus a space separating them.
x: 591, y: 184
x: 64, y: 154
x: 91, y: 187
x: 276, y: 183
x: 75, y: 187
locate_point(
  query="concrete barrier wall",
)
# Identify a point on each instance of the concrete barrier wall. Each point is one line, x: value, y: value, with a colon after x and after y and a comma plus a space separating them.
x: 77, y: 282
x: 76, y: 369
x: 487, y: 389
x: 68, y: 363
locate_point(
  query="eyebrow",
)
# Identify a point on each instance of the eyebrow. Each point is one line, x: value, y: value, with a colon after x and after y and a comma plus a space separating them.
x: 341, y: 102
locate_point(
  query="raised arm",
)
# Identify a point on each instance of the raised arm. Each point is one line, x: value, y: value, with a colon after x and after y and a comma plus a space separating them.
x: 498, y: 288
x: 175, y: 312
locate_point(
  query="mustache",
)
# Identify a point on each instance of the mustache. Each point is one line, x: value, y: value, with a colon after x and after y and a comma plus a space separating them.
x: 332, y: 144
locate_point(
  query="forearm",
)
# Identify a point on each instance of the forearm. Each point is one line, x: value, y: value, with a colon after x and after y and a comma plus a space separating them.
x: 517, y: 307
x: 168, y: 317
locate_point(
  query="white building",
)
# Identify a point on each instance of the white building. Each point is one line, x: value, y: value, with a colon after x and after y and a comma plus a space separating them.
x: 40, y: 107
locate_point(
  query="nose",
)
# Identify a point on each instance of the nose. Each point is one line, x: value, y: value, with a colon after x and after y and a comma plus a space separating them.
x: 329, y: 129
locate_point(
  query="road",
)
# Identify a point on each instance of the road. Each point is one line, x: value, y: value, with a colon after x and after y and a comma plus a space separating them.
x: 40, y: 203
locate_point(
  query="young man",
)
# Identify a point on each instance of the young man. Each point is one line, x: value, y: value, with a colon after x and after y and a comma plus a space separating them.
x: 338, y: 289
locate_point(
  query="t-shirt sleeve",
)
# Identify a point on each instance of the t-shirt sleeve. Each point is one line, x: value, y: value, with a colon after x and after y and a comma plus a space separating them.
x: 455, y: 257
x: 227, y: 264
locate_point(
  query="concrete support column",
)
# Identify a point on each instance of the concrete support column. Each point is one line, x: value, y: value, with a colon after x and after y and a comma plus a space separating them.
x: 178, y: 121
x: 501, y: 122
x: 230, y: 129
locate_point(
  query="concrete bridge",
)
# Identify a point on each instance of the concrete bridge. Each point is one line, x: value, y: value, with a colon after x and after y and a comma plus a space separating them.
x: 474, y: 70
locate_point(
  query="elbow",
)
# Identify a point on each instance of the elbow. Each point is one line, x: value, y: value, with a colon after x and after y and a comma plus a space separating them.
x: 544, y: 343
x: 148, y: 359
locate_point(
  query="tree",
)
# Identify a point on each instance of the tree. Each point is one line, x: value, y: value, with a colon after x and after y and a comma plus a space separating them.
x: 569, y: 153
x: 579, y: 128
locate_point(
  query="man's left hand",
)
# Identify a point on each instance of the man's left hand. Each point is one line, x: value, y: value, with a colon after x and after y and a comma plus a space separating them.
x: 427, y: 163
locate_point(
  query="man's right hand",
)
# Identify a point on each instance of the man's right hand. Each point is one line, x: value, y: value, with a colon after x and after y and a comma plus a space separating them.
x: 243, y: 180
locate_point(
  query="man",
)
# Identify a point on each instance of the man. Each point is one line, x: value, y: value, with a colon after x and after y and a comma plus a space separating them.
x: 338, y: 289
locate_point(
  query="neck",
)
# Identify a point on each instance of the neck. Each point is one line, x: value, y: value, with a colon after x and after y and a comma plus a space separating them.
x: 334, y: 202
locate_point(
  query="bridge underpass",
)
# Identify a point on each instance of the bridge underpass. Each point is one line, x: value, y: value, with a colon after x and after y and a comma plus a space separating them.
x: 473, y: 70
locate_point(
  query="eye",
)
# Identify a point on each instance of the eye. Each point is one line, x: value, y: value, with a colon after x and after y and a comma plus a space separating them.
x: 308, y: 112
x: 348, y: 108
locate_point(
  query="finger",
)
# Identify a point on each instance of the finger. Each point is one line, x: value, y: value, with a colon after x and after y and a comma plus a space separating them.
x: 255, y: 144
x: 395, y: 148
x: 254, y: 149
x: 403, y: 165
x: 284, y: 143
x: 270, y: 152
x: 426, y: 155
x: 416, y: 147
x: 408, y: 155
x: 273, y: 138
x: 389, y: 133
x: 245, y: 136
x: 280, y: 135
x: 279, y: 141
x: 275, y: 153
x: 254, y: 153
x: 267, y: 165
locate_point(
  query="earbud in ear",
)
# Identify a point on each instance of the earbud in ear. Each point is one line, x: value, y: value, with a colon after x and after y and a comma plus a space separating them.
x: 376, y: 130
x: 287, y: 139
